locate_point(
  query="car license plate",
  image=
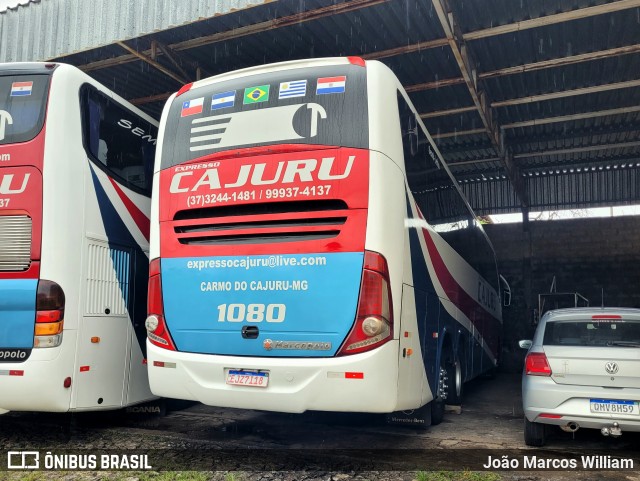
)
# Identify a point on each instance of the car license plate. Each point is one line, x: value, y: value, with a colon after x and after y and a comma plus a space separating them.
x: 610, y: 406
x: 240, y: 377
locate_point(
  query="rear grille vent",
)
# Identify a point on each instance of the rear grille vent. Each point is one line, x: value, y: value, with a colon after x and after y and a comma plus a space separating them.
x: 15, y: 242
x: 261, y: 209
x: 261, y: 223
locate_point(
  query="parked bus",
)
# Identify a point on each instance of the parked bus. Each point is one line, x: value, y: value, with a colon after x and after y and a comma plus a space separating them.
x: 310, y: 249
x: 76, y: 164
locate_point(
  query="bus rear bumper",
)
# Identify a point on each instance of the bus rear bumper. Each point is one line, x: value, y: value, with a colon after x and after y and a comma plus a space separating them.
x: 37, y: 384
x: 364, y: 382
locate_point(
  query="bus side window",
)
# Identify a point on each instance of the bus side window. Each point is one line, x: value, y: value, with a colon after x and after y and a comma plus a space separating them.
x: 118, y: 141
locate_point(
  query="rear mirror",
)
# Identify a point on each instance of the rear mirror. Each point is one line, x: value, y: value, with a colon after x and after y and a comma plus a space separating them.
x: 525, y: 344
x: 506, y: 292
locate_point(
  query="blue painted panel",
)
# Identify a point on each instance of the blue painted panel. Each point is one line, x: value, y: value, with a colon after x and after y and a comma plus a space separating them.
x: 207, y: 302
x: 17, y: 312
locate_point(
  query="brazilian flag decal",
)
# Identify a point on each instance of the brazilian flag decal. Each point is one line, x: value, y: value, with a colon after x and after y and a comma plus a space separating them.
x: 254, y: 95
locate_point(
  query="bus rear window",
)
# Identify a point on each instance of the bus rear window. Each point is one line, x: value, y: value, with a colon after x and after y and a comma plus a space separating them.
x: 23, y: 100
x: 325, y: 105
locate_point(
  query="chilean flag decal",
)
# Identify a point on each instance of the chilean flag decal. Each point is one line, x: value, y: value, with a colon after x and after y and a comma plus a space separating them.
x: 192, y: 107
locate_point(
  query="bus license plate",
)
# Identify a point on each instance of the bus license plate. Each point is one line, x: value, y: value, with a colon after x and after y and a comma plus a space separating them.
x: 239, y: 377
x: 610, y: 406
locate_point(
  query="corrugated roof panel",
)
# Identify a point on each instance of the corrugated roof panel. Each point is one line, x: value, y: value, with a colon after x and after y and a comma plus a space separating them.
x: 75, y: 25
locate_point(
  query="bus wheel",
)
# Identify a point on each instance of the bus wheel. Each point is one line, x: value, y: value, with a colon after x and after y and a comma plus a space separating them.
x: 455, y: 383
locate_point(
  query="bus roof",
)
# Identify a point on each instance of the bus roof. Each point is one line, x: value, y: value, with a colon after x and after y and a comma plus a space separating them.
x: 273, y: 67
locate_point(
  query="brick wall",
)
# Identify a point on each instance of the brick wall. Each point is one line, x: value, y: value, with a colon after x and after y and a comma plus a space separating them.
x: 585, y: 255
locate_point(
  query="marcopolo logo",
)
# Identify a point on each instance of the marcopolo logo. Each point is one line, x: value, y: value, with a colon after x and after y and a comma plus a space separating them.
x: 23, y: 460
x: 12, y: 355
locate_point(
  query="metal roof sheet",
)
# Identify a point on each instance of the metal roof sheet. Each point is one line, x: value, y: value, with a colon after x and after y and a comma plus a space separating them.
x: 582, y: 129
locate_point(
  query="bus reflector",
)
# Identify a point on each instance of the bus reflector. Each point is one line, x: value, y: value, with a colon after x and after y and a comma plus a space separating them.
x: 67, y: 382
x: 550, y: 416
x: 354, y: 375
x: 171, y: 365
x: 536, y: 364
x: 50, y: 302
x: 374, y: 319
x: 84, y: 368
x: 184, y: 88
x: 16, y: 373
x: 157, y: 332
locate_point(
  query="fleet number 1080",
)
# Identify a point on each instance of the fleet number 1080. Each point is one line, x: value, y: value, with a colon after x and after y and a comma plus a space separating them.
x: 251, y: 312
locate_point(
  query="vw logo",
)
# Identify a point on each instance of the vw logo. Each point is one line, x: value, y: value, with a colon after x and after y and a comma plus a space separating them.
x: 611, y: 367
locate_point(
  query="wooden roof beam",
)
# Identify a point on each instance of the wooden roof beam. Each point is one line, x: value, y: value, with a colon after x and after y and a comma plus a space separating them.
x: 578, y: 150
x: 465, y: 63
x: 553, y: 19
x: 545, y: 153
x: 295, y: 19
x: 571, y: 117
x: 146, y: 58
x: 544, y: 120
x: 531, y: 67
x: 567, y: 93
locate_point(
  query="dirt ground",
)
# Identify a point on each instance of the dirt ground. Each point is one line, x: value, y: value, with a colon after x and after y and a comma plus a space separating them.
x: 241, y: 445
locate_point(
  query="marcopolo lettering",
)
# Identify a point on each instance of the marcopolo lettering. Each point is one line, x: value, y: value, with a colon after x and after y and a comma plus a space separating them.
x: 307, y: 170
x: 12, y: 355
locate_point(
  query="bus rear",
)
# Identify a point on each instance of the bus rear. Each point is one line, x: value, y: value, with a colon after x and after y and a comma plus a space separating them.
x: 262, y: 293
x: 31, y: 311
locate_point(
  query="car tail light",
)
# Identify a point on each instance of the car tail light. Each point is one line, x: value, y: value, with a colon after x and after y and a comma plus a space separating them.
x: 374, y: 319
x: 49, y: 315
x: 157, y: 331
x: 536, y: 364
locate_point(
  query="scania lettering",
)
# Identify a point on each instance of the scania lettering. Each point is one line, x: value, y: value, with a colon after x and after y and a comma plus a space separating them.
x: 75, y: 199
x: 313, y: 251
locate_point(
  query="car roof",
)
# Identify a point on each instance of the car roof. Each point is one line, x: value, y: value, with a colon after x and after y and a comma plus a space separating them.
x: 580, y: 313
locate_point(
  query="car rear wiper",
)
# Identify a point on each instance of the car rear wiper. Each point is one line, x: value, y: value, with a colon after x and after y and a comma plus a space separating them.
x: 624, y: 343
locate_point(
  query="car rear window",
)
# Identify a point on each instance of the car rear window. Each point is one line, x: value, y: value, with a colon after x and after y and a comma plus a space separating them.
x: 609, y: 332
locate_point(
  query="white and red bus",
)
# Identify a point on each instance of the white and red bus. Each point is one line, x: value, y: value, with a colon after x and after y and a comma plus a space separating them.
x: 310, y: 249
x: 76, y: 165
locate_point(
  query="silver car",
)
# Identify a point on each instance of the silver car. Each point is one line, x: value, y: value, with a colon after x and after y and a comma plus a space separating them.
x: 582, y: 371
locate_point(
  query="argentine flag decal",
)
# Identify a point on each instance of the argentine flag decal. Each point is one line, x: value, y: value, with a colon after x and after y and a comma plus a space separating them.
x: 223, y: 100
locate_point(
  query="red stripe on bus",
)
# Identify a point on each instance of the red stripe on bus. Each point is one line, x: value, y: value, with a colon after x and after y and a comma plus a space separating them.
x: 141, y: 220
x: 456, y: 294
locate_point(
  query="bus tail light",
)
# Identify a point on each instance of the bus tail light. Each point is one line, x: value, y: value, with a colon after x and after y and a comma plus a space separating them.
x: 536, y: 364
x: 157, y: 331
x: 49, y: 315
x: 374, y: 319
